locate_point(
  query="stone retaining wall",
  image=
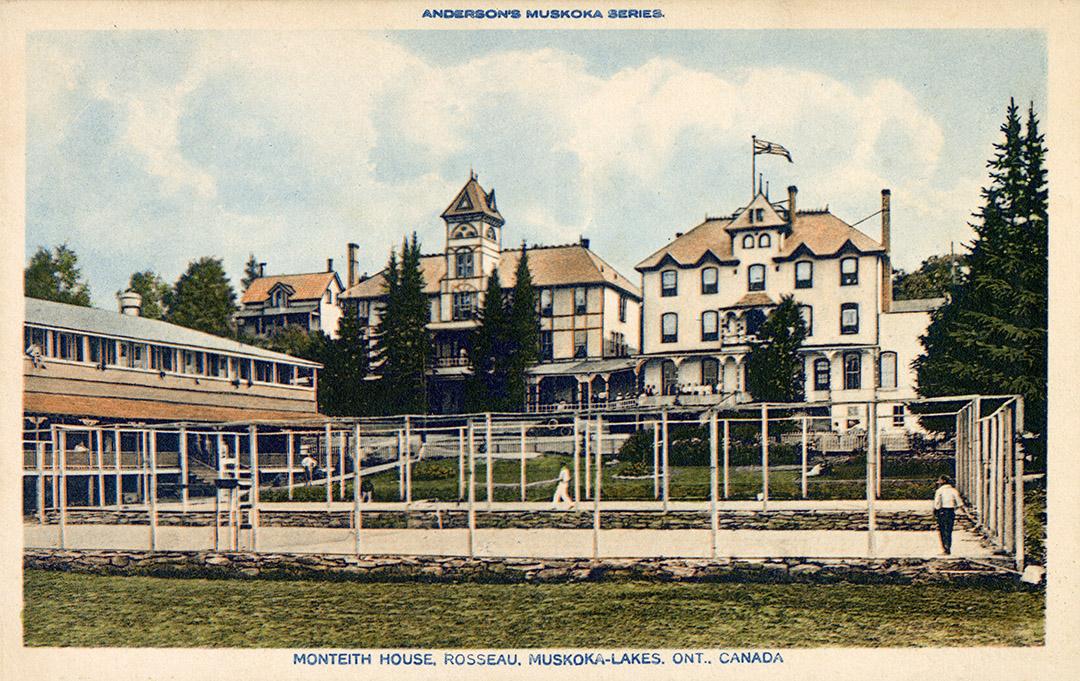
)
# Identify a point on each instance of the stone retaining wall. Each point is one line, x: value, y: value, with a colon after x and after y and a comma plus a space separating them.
x: 677, y: 520
x: 502, y: 570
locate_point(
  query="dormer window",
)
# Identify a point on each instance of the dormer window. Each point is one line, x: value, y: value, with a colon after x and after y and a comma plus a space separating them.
x: 748, y: 241
x: 764, y: 241
x: 279, y: 298
x: 849, y: 272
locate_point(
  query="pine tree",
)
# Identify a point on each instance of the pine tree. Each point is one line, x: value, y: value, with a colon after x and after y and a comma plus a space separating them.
x: 251, y: 272
x: 524, y: 326
x: 153, y: 290
x: 343, y: 388
x: 991, y: 336
x: 56, y: 276
x: 403, y: 341
x: 774, y: 367
x: 490, y: 356
x: 203, y: 298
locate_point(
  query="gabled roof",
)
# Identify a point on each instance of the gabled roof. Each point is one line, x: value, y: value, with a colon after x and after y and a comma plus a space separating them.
x: 473, y: 201
x: 550, y: 266
x: 755, y: 299
x: 770, y: 216
x: 95, y: 321
x: 815, y: 233
x: 304, y: 286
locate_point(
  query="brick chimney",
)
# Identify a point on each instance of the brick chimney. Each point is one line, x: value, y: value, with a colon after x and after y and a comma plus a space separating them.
x: 792, y: 192
x: 329, y: 264
x: 886, y: 243
x: 351, y: 276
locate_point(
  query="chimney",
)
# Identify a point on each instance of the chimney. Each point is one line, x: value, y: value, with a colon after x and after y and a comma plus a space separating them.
x: 584, y: 242
x: 792, y: 191
x: 130, y: 303
x: 886, y: 243
x: 351, y: 277
x: 262, y: 269
x: 329, y: 264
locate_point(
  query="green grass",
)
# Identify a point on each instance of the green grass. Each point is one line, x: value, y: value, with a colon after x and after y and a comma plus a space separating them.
x: 1035, y: 523
x: 844, y: 481
x: 68, y: 609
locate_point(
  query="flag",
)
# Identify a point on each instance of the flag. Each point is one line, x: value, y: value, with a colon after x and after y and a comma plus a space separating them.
x: 763, y: 147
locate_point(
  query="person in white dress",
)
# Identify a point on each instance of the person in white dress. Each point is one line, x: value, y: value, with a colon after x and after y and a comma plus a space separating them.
x: 562, y: 489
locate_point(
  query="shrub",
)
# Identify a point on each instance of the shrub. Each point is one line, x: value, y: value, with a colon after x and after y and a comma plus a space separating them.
x: 434, y: 470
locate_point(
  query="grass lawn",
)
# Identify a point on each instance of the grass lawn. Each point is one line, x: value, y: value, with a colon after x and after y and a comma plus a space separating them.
x: 67, y: 609
x: 437, y: 479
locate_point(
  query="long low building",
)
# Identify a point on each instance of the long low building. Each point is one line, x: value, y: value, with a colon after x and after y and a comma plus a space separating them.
x: 88, y: 363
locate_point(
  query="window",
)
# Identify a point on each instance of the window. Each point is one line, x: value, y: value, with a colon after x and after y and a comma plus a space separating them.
x: 887, y: 370
x: 764, y: 241
x: 669, y: 328
x: 669, y: 377
x: 215, y: 365
x: 581, y: 300
x: 807, y: 313
x: 822, y: 373
x: 804, y: 274
x: 285, y: 374
x: 133, y: 355
x: 709, y: 280
x: 546, y: 296
x: 853, y: 417
x: 162, y: 359
x: 491, y: 233
x: 547, y: 346
x: 622, y: 308
x: 849, y: 318
x: 852, y: 371
x: 69, y: 346
x: 464, y: 231
x: 669, y: 283
x: 898, y: 412
x: 710, y: 322
x: 760, y: 214
x: 756, y: 276
x: 849, y: 272
x: 279, y: 298
x: 37, y: 337
x: 581, y: 344
x: 264, y: 372
x: 245, y: 369
x: 748, y: 241
x: 464, y: 305
x: 710, y: 371
x: 464, y: 263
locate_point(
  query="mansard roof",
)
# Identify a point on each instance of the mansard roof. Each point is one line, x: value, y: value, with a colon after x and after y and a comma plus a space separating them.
x: 814, y: 234
x: 473, y: 202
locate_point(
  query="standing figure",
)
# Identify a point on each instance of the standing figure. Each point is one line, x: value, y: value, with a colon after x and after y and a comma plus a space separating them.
x: 946, y: 502
x: 562, y: 490
x: 309, y: 466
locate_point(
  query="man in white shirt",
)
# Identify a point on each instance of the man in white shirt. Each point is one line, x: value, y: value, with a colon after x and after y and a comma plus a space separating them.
x: 562, y: 490
x: 946, y: 502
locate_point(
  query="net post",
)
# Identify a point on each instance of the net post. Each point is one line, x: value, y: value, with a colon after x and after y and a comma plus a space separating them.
x: 664, y: 460
x: 253, y: 495
x: 62, y: 439
x: 588, y: 457
x: 343, y: 446
x: 714, y: 520
x: 871, y: 478
x: 408, y: 462
x: 727, y: 457
x: 472, y: 488
x: 523, y: 462
x: 290, y: 461
x: 804, y: 456
x: 184, y: 470
x: 596, y: 492
x: 461, y: 462
x: 101, y: 470
x: 119, y: 474
x: 1018, y: 482
x: 489, y: 478
x: 655, y: 459
x: 577, y: 462
x: 764, y: 457
x: 39, y: 460
x: 358, y: 518
x: 329, y: 467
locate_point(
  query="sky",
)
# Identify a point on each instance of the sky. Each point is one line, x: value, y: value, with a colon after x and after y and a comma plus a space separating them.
x: 149, y: 149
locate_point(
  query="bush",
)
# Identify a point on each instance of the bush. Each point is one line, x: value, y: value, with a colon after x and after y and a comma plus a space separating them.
x: 434, y: 470
x: 634, y: 469
x: 690, y: 447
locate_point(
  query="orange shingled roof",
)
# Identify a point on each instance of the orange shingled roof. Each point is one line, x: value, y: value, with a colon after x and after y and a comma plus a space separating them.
x: 755, y: 299
x: 305, y: 286
x: 473, y: 200
x: 550, y: 266
x: 820, y: 232
x: 111, y: 407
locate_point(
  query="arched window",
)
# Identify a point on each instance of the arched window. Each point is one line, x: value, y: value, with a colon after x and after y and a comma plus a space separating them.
x: 764, y: 241
x: 756, y: 278
x: 669, y: 283
x: 852, y: 371
x: 463, y: 263
x: 710, y: 323
x: 822, y: 372
x: 807, y: 313
x: 709, y: 280
x: 748, y: 241
x: 804, y: 274
x: 491, y: 233
x: 464, y: 231
x: 669, y: 328
x: 849, y: 272
x: 887, y: 372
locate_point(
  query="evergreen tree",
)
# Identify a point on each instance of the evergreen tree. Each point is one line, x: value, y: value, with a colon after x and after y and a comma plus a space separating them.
x: 490, y: 357
x: 343, y: 388
x: 251, y: 272
x: 991, y: 337
x: 56, y: 276
x: 404, y: 342
x: 774, y: 368
x: 934, y: 278
x: 203, y: 298
x: 524, y: 327
x: 153, y: 290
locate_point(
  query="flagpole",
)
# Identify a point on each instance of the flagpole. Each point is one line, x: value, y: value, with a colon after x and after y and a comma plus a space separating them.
x: 753, y: 164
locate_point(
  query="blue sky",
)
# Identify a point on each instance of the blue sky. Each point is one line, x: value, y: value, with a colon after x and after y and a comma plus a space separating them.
x: 150, y: 149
